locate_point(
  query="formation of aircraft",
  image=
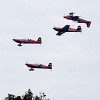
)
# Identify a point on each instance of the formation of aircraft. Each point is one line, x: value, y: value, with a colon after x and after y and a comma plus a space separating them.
x: 28, y: 41
x: 77, y: 19
x: 67, y: 28
x: 60, y: 31
x: 41, y: 66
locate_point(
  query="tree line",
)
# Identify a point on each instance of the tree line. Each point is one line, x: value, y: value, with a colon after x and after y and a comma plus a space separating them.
x: 27, y: 96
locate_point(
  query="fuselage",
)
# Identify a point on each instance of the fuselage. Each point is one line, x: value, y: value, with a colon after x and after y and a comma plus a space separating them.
x: 38, y: 66
x: 79, y: 20
x: 24, y: 41
x: 69, y: 30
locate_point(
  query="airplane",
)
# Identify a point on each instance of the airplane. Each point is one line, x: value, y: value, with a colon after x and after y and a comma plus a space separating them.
x: 67, y: 28
x: 28, y: 41
x: 77, y: 19
x: 41, y: 66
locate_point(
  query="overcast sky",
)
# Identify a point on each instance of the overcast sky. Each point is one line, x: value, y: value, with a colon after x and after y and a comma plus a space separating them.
x: 75, y: 56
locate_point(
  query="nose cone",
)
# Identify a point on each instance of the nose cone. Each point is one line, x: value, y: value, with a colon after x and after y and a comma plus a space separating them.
x: 26, y: 64
x: 54, y: 28
x: 67, y: 17
x: 13, y: 39
x: 64, y: 16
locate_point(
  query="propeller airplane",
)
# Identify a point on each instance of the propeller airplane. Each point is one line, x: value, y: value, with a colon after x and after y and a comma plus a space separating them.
x: 28, y: 41
x: 66, y: 28
x: 77, y: 19
x: 41, y: 66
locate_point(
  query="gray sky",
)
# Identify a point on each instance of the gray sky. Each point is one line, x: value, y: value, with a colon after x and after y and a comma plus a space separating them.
x: 75, y: 56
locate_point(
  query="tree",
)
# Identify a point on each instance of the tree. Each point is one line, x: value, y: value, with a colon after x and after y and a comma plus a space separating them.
x: 27, y: 96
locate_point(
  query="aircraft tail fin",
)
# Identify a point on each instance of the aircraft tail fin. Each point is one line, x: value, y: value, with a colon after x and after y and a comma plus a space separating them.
x: 50, y: 65
x: 71, y: 14
x: 39, y: 39
x: 88, y: 24
x: 79, y: 29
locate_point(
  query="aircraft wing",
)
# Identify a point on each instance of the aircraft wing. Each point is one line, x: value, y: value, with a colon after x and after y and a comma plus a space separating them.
x: 60, y: 33
x: 75, y: 18
x: 65, y: 28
